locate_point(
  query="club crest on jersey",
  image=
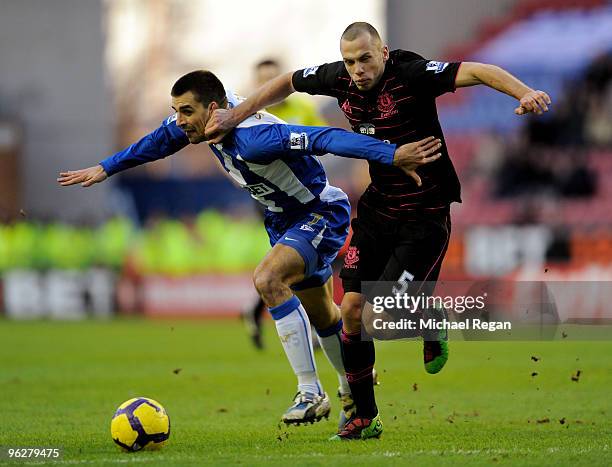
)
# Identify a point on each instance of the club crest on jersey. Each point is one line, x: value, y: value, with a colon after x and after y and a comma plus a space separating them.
x: 351, y: 258
x: 346, y: 107
x: 436, y: 67
x: 311, y: 70
x: 298, y: 141
x: 386, y: 105
x: 306, y: 228
x: 171, y: 118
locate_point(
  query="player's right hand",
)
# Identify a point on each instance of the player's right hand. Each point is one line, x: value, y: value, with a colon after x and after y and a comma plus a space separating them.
x: 219, y: 125
x: 409, y: 157
x: 534, y: 101
x: 86, y: 177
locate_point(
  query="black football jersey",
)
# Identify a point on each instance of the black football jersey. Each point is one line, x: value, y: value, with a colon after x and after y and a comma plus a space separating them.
x: 400, y: 109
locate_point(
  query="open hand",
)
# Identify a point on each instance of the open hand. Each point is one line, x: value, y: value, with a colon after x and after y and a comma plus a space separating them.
x: 536, y: 102
x: 409, y: 157
x: 86, y: 177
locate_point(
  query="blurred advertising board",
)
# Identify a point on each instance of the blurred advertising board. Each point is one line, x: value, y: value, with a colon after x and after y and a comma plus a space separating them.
x: 61, y: 294
x: 100, y: 293
x: 191, y: 296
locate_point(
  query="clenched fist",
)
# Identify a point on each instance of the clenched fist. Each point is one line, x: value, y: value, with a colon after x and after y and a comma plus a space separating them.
x: 536, y: 102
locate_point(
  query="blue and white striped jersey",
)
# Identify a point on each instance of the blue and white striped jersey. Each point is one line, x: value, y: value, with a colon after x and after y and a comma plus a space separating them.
x: 274, y: 161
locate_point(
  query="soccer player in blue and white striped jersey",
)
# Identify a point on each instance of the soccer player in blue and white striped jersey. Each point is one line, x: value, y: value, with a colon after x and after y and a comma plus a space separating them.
x: 307, y: 219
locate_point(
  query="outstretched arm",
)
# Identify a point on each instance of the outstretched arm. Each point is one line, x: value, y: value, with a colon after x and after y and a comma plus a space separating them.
x: 268, y: 142
x: 407, y: 157
x: 530, y: 100
x: 164, y: 141
x: 223, y: 121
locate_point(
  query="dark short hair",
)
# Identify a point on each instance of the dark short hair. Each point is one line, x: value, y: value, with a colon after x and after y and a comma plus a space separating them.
x: 354, y: 30
x: 204, y: 85
x: 267, y: 62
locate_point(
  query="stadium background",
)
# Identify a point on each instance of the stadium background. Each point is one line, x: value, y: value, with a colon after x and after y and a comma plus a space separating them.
x: 83, y: 79
x: 84, y: 271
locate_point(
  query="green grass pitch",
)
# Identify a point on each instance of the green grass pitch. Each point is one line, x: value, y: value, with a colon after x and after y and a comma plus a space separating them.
x: 492, y: 405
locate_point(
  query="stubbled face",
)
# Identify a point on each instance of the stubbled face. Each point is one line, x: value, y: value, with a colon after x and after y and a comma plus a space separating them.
x: 364, y: 59
x: 191, y: 116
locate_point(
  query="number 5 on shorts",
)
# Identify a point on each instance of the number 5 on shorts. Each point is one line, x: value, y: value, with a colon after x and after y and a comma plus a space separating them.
x: 402, y: 283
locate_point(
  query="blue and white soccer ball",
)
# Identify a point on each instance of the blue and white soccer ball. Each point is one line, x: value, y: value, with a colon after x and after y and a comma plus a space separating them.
x: 140, y: 423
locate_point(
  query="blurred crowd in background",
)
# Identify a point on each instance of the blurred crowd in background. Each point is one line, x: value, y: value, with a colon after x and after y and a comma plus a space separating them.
x: 549, y: 155
x: 210, y: 242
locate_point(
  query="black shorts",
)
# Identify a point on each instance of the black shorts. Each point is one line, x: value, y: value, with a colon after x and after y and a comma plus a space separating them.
x: 381, y: 250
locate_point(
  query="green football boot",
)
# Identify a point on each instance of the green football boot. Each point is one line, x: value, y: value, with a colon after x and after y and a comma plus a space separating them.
x: 435, y: 344
x: 347, y: 404
x: 360, y: 428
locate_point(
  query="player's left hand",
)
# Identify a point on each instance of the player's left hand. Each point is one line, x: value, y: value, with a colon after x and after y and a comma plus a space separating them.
x: 411, y: 156
x: 536, y: 102
x: 219, y: 125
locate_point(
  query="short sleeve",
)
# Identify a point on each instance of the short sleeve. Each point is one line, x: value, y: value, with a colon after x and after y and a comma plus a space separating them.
x: 431, y: 76
x: 317, y: 80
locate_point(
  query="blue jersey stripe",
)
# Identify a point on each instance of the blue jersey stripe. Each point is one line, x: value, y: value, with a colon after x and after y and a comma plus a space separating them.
x: 278, y: 178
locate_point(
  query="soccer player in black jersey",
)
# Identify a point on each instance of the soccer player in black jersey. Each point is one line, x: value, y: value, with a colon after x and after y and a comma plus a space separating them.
x: 402, y: 228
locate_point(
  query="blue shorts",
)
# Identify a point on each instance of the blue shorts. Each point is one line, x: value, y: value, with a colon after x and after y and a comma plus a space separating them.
x: 316, y: 234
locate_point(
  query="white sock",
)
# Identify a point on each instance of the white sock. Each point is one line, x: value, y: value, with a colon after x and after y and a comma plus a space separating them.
x: 293, y: 328
x: 332, y: 347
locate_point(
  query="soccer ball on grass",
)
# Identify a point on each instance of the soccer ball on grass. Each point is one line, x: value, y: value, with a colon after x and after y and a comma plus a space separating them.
x: 140, y: 423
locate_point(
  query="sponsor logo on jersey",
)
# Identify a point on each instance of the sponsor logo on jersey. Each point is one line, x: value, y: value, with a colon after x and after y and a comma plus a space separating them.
x: 311, y: 70
x: 298, y: 141
x: 367, y: 129
x: 259, y: 189
x: 352, y: 258
x: 306, y: 227
x: 171, y: 118
x: 436, y: 67
x: 386, y: 105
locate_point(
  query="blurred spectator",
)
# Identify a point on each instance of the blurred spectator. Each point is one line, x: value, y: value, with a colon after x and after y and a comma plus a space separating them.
x: 488, y: 156
x: 296, y: 109
x: 598, y: 124
x: 598, y: 74
x: 523, y: 170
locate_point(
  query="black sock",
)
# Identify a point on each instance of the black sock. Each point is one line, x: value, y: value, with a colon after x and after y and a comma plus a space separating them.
x: 358, y: 357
